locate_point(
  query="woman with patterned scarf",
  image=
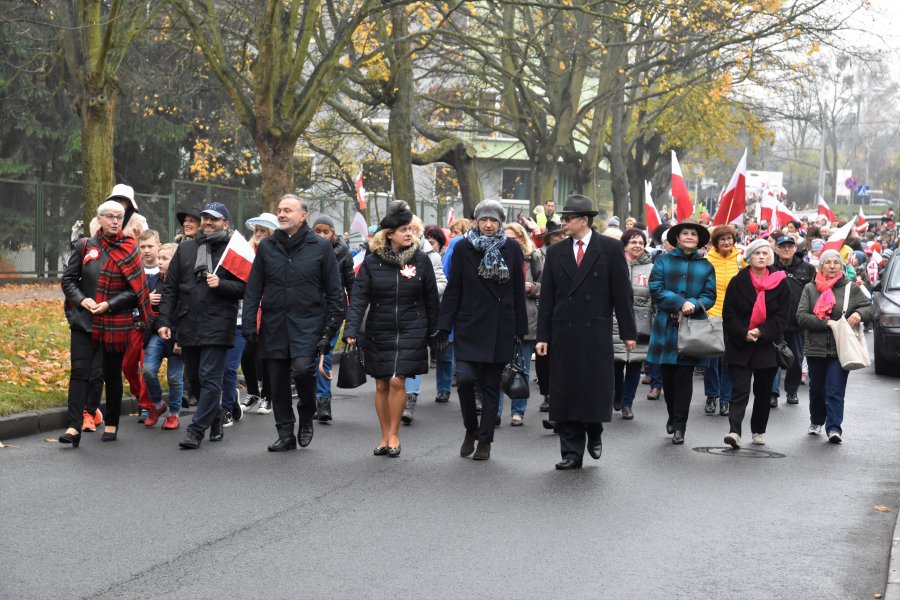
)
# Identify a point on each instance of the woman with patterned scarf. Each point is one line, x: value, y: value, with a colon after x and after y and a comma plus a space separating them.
x: 484, y: 305
x: 103, y: 281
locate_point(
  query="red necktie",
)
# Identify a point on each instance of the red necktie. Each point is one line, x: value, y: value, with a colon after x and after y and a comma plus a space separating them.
x: 580, y: 254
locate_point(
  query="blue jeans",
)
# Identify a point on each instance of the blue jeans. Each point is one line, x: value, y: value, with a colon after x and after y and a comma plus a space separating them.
x: 414, y: 385
x: 204, y: 367
x: 444, y: 370
x: 655, y: 374
x: 627, y: 379
x: 716, y: 382
x: 518, y: 405
x: 793, y: 375
x: 153, y: 357
x: 827, y: 387
x: 229, y: 378
x: 323, y: 386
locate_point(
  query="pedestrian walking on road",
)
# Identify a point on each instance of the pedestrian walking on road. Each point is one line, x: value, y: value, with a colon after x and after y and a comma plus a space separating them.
x: 823, y: 301
x: 628, y: 362
x: 103, y: 282
x: 755, y: 313
x: 396, y: 292
x: 202, y: 307
x: 295, y: 279
x: 484, y: 305
x: 683, y: 285
x: 585, y: 281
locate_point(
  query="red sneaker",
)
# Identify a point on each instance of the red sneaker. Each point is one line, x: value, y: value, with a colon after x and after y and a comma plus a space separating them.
x: 98, y: 418
x: 88, y: 422
x: 171, y: 422
x: 155, y: 414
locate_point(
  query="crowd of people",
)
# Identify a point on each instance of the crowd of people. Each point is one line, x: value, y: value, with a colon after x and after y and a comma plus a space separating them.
x: 595, y: 310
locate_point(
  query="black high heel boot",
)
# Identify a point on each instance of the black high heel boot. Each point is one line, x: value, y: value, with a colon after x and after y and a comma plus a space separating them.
x: 70, y: 438
x: 109, y: 436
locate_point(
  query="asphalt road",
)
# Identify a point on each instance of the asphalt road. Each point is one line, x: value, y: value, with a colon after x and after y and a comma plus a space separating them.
x: 140, y: 518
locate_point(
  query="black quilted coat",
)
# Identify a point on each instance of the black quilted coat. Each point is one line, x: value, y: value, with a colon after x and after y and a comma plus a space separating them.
x: 400, y: 291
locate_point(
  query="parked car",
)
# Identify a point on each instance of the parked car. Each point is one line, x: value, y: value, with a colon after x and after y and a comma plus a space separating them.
x: 886, y: 298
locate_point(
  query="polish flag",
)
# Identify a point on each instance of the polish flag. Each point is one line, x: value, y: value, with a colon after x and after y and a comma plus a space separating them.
x: 784, y: 214
x: 684, y: 207
x: 838, y: 238
x: 358, y: 224
x: 767, y: 211
x: 653, y: 219
x: 872, y: 267
x: 358, y: 260
x: 733, y: 200
x: 825, y: 210
x: 861, y: 224
x: 451, y: 216
x: 360, y: 192
x: 237, y: 258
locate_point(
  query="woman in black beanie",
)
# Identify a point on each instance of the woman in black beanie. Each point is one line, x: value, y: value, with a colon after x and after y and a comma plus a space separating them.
x: 396, y: 283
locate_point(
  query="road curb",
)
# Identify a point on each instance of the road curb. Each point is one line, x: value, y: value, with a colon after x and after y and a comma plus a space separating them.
x: 892, y: 589
x: 43, y: 421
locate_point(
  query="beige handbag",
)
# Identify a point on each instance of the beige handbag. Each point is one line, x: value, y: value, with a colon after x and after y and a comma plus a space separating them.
x: 853, y: 352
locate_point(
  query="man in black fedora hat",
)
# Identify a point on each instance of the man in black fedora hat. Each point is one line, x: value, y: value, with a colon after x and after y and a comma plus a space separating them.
x: 585, y: 279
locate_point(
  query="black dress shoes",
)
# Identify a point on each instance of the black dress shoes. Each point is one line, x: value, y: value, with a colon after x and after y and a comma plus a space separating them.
x: 594, y: 446
x: 468, y: 445
x: 627, y: 413
x: 670, y: 429
x: 306, y: 433
x: 483, y: 451
x: 283, y: 443
x: 549, y: 425
x: 617, y: 404
x: 216, y: 431
x: 191, y: 441
x: 70, y: 438
x: 678, y: 438
x: 567, y: 464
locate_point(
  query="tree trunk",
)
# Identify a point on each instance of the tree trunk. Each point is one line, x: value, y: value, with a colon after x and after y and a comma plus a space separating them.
x: 617, y: 161
x: 400, y: 121
x: 543, y: 177
x: 277, y: 161
x: 98, y: 117
x: 467, y: 176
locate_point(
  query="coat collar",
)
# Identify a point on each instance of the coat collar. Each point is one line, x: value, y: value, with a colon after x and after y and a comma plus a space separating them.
x: 474, y: 257
x: 591, y: 254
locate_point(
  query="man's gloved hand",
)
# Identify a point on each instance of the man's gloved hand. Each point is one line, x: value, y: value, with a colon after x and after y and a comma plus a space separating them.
x: 323, y: 346
x: 439, y: 340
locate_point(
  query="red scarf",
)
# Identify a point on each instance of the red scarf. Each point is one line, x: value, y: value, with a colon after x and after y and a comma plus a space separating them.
x: 121, y: 270
x: 762, y: 285
x: 826, y: 297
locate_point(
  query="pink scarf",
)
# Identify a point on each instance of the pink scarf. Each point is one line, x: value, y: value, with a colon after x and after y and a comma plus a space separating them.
x: 826, y: 297
x: 762, y: 285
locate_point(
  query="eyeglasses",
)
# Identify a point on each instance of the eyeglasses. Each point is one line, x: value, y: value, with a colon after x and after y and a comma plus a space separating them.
x: 638, y: 241
x: 568, y: 218
x: 112, y: 217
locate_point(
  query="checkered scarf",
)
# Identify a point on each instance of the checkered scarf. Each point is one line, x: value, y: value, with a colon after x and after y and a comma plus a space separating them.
x: 121, y: 270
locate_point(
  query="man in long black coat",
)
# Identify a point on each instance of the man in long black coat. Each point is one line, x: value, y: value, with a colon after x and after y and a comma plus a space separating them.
x: 585, y: 278
x: 295, y: 280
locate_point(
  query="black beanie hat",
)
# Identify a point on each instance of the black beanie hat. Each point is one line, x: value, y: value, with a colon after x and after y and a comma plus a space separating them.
x: 397, y: 215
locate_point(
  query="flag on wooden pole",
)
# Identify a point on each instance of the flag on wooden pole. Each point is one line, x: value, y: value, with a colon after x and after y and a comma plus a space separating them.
x: 237, y: 258
x: 653, y: 219
x: 837, y: 239
x: 733, y: 200
x: 360, y: 192
x: 825, y: 211
x: 684, y: 208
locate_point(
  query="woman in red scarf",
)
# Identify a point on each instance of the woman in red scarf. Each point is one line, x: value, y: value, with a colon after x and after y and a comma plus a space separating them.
x: 103, y: 281
x: 755, y: 313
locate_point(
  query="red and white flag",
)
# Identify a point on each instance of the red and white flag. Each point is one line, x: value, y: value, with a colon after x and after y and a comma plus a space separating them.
x: 358, y: 224
x: 684, y: 208
x: 653, y: 218
x: 451, y: 216
x: 837, y: 239
x: 872, y: 267
x: 358, y: 260
x: 360, y: 192
x: 861, y: 224
x: 767, y: 211
x: 733, y: 201
x: 825, y: 210
x: 237, y: 258
x: 784, y: 214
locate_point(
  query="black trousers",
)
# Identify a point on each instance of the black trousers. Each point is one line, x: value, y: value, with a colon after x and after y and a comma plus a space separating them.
x: 253, y: 368
x: 678, y: 386
x: 740, y: 397
x: 542, y: 368
x: 487, y: 377
x: 281, y: 372
x: 573, y: 435
x: 92, y: 365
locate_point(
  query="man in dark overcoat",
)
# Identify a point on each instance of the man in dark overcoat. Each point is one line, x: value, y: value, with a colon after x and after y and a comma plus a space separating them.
x: 585, y: 279
x: 295, y: 280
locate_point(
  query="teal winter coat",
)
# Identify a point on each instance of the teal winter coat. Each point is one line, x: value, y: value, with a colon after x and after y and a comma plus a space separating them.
x: 675, y: 279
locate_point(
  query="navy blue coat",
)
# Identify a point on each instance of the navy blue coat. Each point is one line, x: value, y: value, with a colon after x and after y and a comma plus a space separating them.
x: 485, y: 316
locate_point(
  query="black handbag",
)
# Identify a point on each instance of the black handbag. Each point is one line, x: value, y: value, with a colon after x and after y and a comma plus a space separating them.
x: 643, y: 320
x: 783, y: 355
x: 351, y: 373
x: 513, y: 381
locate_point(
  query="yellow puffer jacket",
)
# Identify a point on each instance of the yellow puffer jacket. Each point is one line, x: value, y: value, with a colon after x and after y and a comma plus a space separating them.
x: 725, y: 267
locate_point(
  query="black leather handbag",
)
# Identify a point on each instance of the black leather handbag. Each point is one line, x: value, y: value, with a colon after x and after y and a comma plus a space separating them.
x: 351, y: 372
x: 513, y: 381
x: 783, y: 355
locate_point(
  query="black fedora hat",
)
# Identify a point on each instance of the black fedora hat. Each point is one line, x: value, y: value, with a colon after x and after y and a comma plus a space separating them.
x: 553, y: 227
x: 191, y: 212
x: 702, y: 232
x: 576, y: 204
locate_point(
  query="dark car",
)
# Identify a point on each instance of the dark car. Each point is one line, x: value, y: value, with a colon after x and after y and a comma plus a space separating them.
x: 887, y: 320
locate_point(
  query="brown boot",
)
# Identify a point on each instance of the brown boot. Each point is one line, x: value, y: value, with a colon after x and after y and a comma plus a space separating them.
x: 483, y: 452
x: 468, y: 445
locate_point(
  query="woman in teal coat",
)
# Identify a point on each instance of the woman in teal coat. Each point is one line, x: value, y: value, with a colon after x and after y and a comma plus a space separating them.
x: 681, y: 282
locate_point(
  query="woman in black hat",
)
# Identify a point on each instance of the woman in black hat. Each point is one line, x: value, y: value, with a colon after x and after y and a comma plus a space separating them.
x: 396, y: 283
x: 683, y: 284
x: 484, y: 305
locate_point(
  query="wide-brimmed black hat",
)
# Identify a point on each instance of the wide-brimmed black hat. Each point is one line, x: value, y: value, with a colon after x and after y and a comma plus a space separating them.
x: 576, y: 204
x: 553, y: 227
x: 191, y: 212
x: 702, y: 232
